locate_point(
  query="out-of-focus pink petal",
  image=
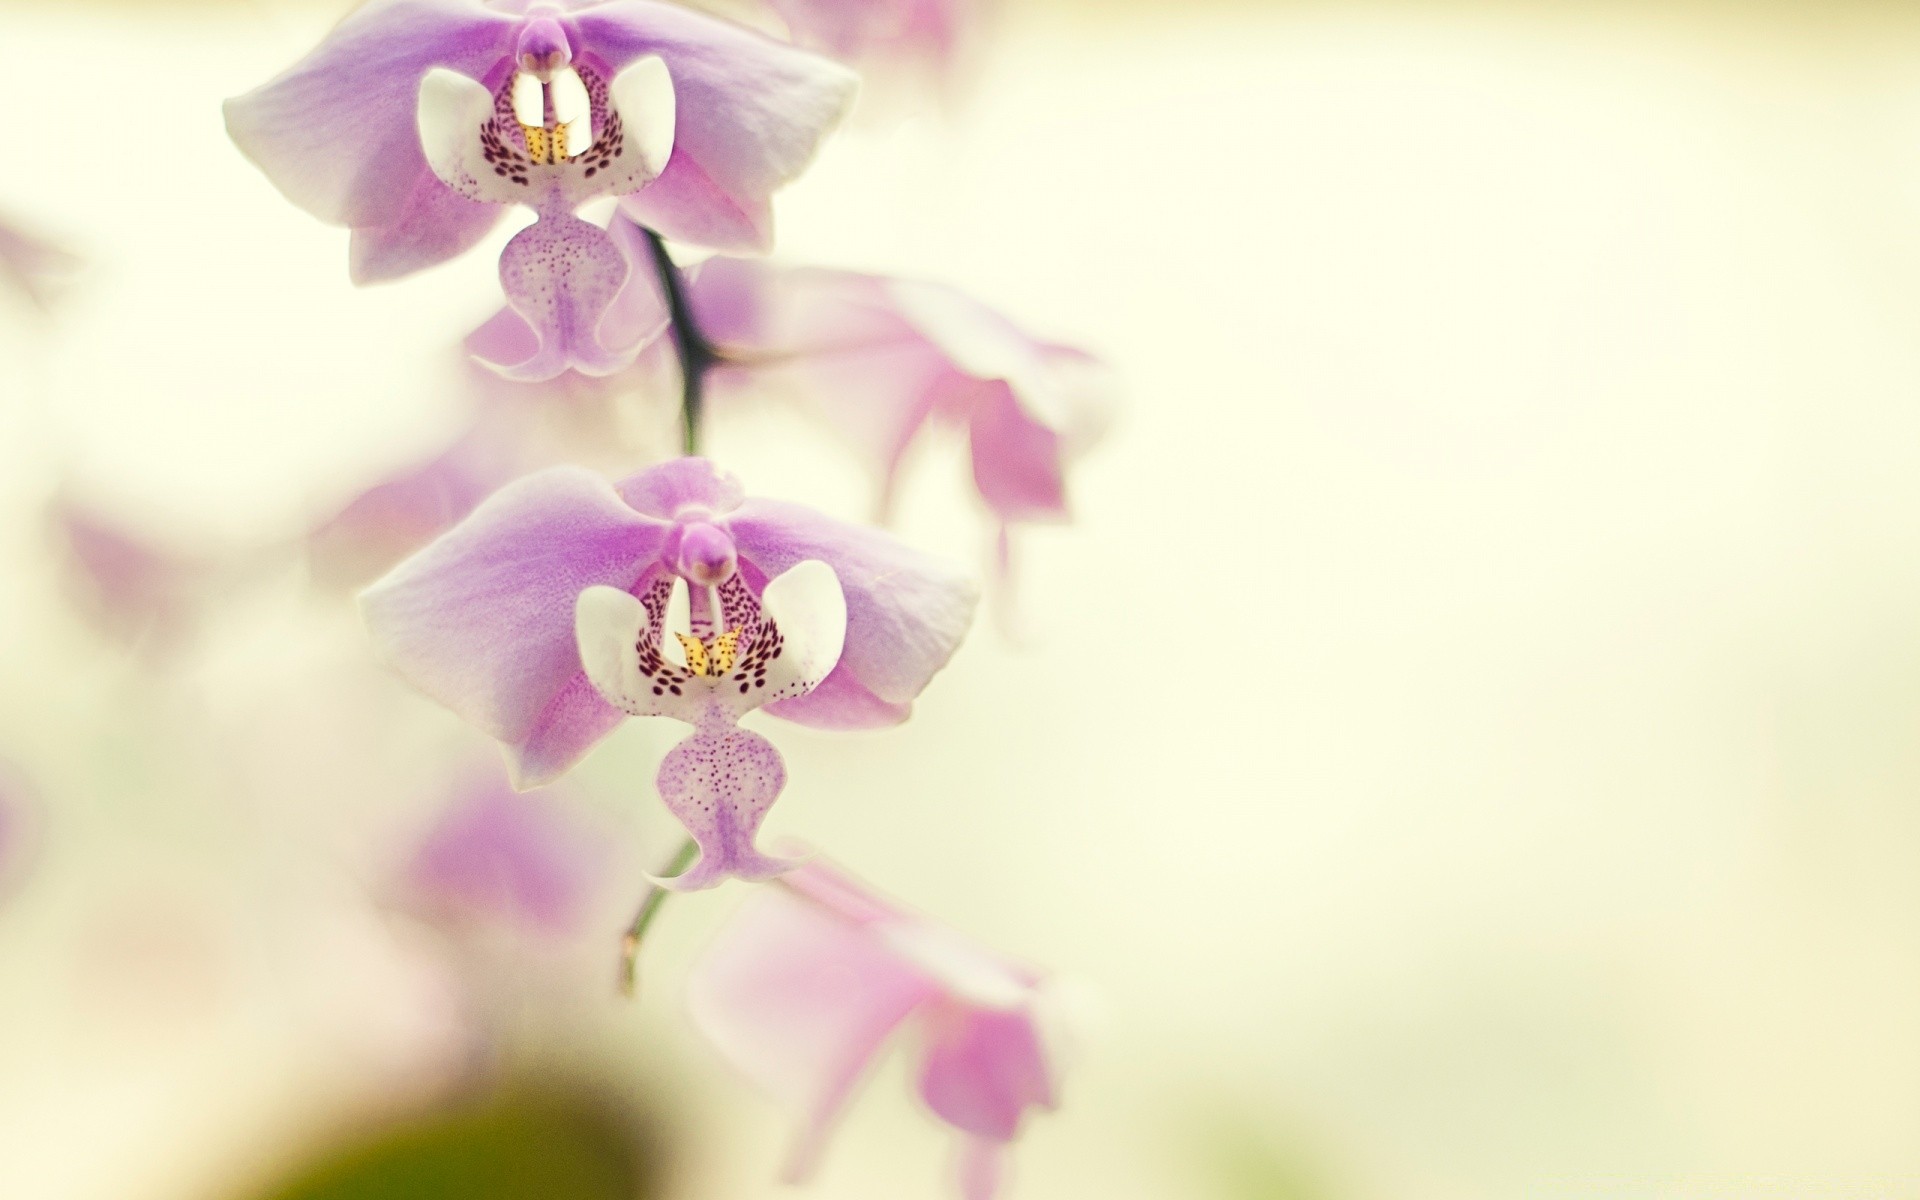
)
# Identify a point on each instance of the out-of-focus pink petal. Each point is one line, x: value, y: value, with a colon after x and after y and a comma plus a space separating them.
x: 981, y: 1167
x: 134, y: 588
x: 983, y: 1068
x: 398, y: 515
x: 336, y: 131
x: 19, y: 822
x: 801, y: 1001
x: 1017, y: 461
x: 37, y: 268
x: 931, y: 34
x: 482, y: 619
x: 506, y: 858
x: 751, y: 113
x: 906, y: 611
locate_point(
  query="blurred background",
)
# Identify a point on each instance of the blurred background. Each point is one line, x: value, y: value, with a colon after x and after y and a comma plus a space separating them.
x: 1465, y: 747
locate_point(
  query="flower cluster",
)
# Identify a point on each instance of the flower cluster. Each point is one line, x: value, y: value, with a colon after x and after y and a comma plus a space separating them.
x: 544, y: 603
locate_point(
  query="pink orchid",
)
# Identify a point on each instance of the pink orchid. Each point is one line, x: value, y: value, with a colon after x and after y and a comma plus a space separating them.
x: 932, y: 34
x: 541, y: 620
x: 416, y: 121
x: 885, y: 358
x: 805, y: 988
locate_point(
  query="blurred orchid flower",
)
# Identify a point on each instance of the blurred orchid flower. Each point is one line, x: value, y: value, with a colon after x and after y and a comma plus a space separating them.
x: 132, y: 588
x: 883, y: 359
x: 415, y: 121
x: 484, y: 619
x: 805, y: 988
x: 927, y: 34
x: 504, y: 858
x: 35, y: 268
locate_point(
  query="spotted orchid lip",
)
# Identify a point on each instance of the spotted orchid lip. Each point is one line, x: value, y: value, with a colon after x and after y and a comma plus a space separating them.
x: 720, y: 781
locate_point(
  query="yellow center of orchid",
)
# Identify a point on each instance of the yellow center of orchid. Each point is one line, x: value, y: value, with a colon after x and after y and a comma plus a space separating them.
x: 713, y: 657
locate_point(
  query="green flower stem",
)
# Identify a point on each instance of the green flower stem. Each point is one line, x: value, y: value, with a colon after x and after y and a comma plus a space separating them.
x: 650, y: 907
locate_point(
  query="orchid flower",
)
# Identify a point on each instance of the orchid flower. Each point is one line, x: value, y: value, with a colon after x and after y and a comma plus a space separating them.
x: 883, y: 359
x: 815, y: 976
x: 416, y: 121
x: 541, y: 620
x: 928, y: 33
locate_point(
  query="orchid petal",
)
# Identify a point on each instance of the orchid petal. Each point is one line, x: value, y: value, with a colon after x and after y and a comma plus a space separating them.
x: 435, y: 224
x: 906, y: 611
x: 981, y: 1165
x: 752, y: 111
x: 619, y: 636
x: 719, y: 785
x: 671, y: 488
x: 336, y: 131
x: 37, y: 268
x: 1018, y: 463
x: 801, y: 1002
x: 562, y: 276
x: 452, y: 111
x: 644, y: 100
x: 506, y: 857
x: 983, y: 1068
x: 482, y: 619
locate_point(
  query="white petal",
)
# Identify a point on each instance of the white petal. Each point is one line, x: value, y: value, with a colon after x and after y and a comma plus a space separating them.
x: 607, y: 622
x: 610, y: 626
x: 643, y: 96
x: 808, y: 607
x: 453, y: 108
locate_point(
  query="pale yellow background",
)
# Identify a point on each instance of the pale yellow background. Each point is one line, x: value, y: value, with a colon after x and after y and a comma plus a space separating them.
x: 1467, y: 743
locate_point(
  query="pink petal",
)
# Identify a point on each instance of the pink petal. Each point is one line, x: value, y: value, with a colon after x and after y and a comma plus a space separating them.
x: 434, y: 224
x: 336, y: 131
x: 680, y: 485
x: 801, y: 1003
x: 752, y: 111
x: 906, y: 611
x: 1018, y: 463
x: 37, y: 268
x: 506, y: 857
x: 482, y: 619
x: 983, y: 1068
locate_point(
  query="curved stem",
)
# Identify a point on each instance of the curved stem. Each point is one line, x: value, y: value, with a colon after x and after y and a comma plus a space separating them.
x: 649, y: 909
x: 696, y: 354
x: 697, y: 357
